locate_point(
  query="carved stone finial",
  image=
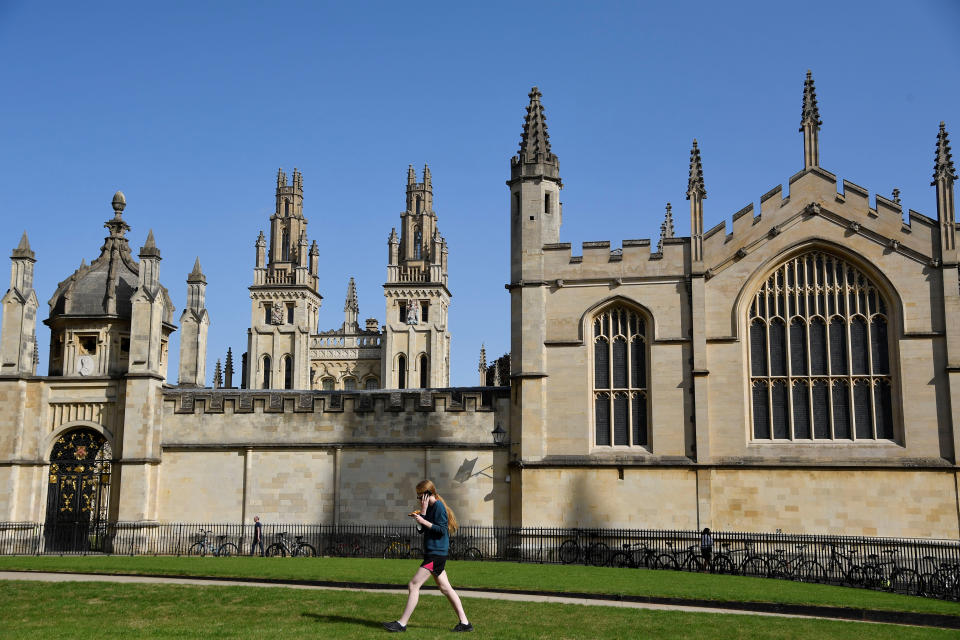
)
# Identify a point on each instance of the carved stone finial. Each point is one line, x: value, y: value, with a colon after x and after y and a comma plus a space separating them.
x: 351, y: 303
x: 197, y: 274
x: 695, y: 185
x: 411, y: 175
x: 23, y: 249
x: 119, y: 202
x: 666, y: 227
x: 483, y: 359
x: 427, y: 179
x: 535, y: 142
x: 261, y: 240
x: 943, y: 162
x: 896, y: 196
x: 393, y: 239
x: 810, y: 114
x: 217, y: 375
x: 149, y: 248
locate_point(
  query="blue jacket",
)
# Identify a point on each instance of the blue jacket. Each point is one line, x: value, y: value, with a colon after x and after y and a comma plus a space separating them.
x: 436, y: 540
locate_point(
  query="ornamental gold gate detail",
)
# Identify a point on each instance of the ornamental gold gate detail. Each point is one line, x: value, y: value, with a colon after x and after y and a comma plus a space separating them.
x: 78, y: 492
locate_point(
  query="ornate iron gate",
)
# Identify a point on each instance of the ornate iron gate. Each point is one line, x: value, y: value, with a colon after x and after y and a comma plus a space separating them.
x: 78, y: 492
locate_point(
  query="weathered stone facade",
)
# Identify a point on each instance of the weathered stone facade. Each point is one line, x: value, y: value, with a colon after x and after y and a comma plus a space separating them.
x: 799, y: 370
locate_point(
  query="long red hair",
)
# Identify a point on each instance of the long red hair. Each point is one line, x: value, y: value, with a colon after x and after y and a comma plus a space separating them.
x: 426, y: 486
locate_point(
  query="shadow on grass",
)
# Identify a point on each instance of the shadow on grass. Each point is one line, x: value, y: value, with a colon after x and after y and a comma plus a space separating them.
x: 346, y: 619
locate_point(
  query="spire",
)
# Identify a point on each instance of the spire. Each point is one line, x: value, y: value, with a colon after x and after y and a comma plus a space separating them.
x: 217, y: 375
x: 411, y: 176
x: 281, y: 178
x: 695, y: 182
x: 810, y: 124
x: 426, y: 176
x: 535, y: 142
x: 228, y: 370
x: 943, y: 162
x: 393, y: 239
x: 943, y: 176
x: 351, y: 303
x: 149, y: 248
x: 482, y: 366
x: 197, y: 274
x: 696, y: 193
x: 666, y: 227
x: 23, y: 249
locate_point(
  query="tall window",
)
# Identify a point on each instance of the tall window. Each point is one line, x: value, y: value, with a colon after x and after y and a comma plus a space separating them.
x: 401, y: 372
x: 424, y: 371
x: 417, y: 243
x: 820, y: 354
x: 620, y: 378
x: 287, y: 372
x: 266, y: 372
x: 285, y: 245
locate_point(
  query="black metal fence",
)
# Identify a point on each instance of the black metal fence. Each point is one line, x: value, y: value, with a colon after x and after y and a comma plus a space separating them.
x: 914, y: 566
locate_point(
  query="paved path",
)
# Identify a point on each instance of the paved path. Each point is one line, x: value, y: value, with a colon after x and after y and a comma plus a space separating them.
x: 468, y: 593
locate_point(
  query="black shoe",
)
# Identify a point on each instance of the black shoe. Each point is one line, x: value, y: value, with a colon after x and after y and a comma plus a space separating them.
x: 397, y: 627
x: 463, y: 627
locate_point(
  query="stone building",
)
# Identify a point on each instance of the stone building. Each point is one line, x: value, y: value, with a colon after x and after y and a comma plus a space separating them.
x: 797, y: 370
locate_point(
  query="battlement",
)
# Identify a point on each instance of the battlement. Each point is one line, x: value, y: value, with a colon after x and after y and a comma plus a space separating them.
x: 634, y: 258
x: 256, y: 401
x: 814, y: 192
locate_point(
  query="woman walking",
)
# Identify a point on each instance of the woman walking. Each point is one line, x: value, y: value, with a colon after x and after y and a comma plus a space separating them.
x: 436, y: 521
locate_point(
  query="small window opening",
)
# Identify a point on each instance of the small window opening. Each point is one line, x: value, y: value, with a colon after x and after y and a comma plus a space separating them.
x: 419, y: 205
x: 288, y: 372
x: 424, y: 372
x: 403, y: 311
x: 124, y: 344
x: 266, y: 372
x: 424, y: 311
x: 402, y: 372
x: 290, y: 309
x: 546, y: 204
x: 266, y: 313
x: 88, y: 345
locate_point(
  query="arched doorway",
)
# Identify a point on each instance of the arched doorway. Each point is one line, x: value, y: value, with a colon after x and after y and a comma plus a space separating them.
x: 78, y: 492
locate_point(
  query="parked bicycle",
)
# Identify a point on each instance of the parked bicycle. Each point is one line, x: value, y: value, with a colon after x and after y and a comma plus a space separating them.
x: 795, y: 566
x: 461, y: 548
x: 722, y: 561
x: 400, y: 547
x: 204, y: 546
x: 635, y: 555
x: 940, y: 579
x: 689, y: 559
x: 283, y: 548
x: 345, y: 548
x: 596, y: 553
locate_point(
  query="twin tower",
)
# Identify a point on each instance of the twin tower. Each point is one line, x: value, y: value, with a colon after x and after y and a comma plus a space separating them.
x: 286, y: 349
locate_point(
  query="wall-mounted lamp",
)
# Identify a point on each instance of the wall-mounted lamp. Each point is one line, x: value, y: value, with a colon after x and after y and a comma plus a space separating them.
x: 498, y: 434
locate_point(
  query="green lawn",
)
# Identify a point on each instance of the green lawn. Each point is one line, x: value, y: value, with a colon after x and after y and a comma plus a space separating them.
x: 505, y: 575
x: 73, y: 610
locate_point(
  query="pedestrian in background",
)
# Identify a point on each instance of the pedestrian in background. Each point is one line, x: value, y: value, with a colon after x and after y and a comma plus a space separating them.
x: 257, y: 536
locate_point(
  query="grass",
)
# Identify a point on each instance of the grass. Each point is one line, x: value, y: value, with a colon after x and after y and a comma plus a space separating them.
x: 501, y: 575
x: 72, y: 610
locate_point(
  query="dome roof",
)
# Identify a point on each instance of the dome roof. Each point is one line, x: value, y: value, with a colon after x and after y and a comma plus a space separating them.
x: 106, y: 285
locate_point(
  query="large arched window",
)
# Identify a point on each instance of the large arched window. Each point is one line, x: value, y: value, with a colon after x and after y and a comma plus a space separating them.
x: 820, y: 353
x: 620, y: 378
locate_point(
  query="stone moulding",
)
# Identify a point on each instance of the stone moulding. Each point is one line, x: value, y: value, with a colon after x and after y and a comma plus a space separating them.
x: 212, y: 401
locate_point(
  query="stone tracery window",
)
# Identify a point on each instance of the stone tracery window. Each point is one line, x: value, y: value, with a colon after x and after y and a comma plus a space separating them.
x: 820, y: 353
x: 620, y: 378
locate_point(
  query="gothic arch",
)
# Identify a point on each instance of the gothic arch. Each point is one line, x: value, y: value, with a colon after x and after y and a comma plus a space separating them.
x: 819, y: 341
x: 763, y: 271
x: 66, y: 427
x: 587, y: 316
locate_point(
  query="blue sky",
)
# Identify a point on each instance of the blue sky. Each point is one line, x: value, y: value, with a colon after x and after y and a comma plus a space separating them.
x: 190, y: 108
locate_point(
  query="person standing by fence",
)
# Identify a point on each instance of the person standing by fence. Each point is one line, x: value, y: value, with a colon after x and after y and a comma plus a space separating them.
x: 257, y: 536
x: 436, y: 521
x: 706, y: 546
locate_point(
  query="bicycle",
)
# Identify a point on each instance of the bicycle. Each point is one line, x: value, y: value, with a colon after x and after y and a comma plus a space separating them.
x: 753, y: 564
x: 943, y: 581
x: 204, y: 546
x: 634, y: 556
x: 282, y: 547
x: 783, y: 566
x: 461, y: 549
x: 344, y: 548
x: 688, y: 560
x: 722, y: 561
x: 400, y: 547
x: 596, y: 554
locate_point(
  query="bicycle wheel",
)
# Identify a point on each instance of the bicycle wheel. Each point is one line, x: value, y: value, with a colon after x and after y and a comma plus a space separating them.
x: 197, y: 549
x: 620, y: 560
x: 812, y: 571
x: 304, y: 550
x: 932, y: 585
x: 332, y: 551
x: 855, y: 576
x: 229, y: 549
x: 779, y: 569
x: 473, y: 554
x: 695, y: 563
x: 395, y: 551
x: 667, y: 561
x: 569, y: 552
x: 754, y: 566
x: 276, y: 550
x: 722, y: 564
x: 598, y: 554
x: 906, y: 581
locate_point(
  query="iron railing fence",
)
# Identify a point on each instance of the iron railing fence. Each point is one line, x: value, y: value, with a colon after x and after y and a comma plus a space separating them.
x: 908, y: 565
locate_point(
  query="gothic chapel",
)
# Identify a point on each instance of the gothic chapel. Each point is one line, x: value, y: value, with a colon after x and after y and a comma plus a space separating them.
x: 795, y: 368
